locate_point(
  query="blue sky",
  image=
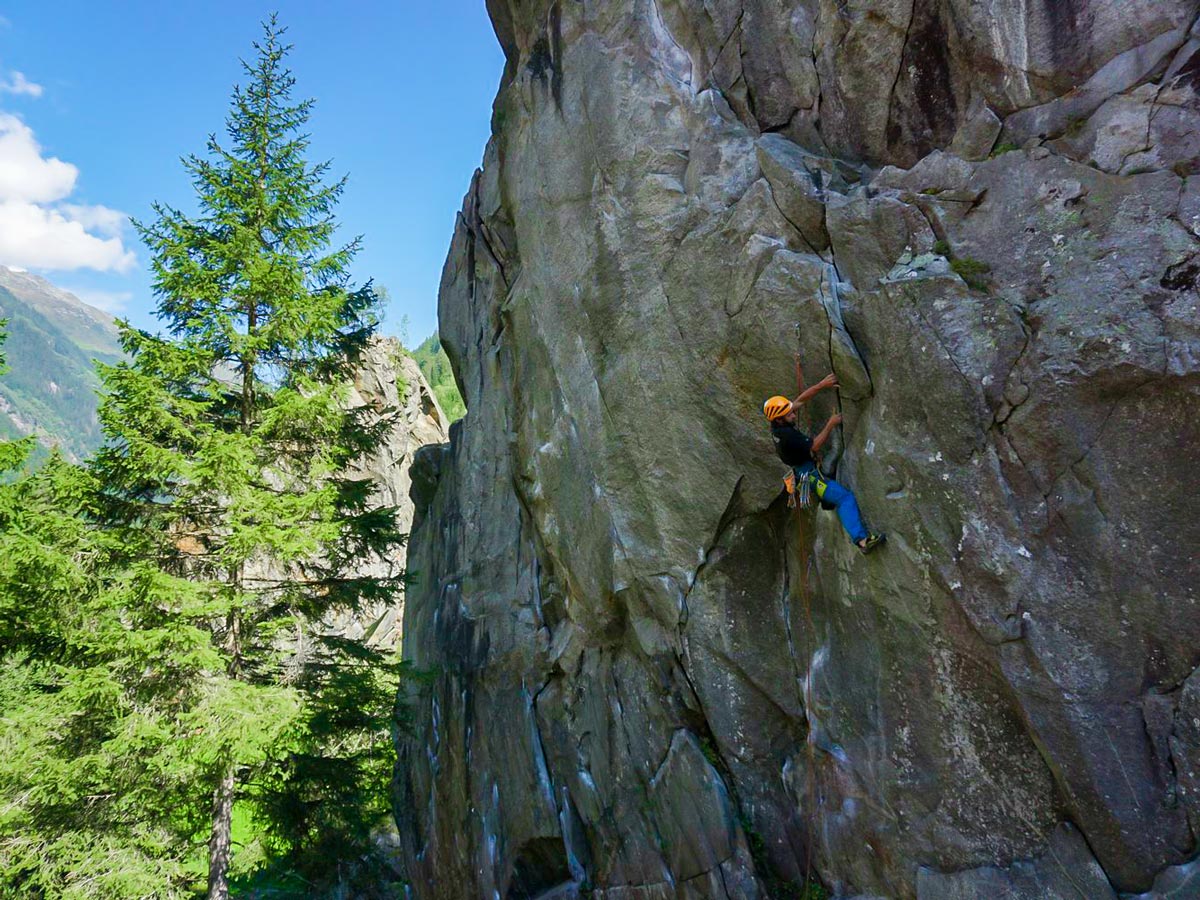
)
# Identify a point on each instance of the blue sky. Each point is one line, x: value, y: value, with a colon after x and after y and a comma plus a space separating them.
x: 98, y: 101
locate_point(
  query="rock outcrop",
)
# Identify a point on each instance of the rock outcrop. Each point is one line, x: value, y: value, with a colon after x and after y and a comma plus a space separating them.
x: 652, y: 679
x: 389, y: 381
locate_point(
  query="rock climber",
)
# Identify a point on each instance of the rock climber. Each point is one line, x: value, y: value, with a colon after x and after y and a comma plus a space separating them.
x: 797, y: 451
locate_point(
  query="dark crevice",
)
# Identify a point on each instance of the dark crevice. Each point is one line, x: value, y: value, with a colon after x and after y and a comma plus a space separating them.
x: 736, y: 29
x: 800, y: 231
x: 782, y: 127
x: 891, y: 95
x: 1002, y: 415
x: 541, y: 864
x: 1091, y: 445
x: 731, y: 514
x: 1184, y: 276
x: 817, y: 72
x: 786, y: 604
x: 545, y: 58
x: 935, y: 226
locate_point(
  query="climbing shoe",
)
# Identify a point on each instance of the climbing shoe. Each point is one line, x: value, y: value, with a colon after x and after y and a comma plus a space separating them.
x: 873, y: 540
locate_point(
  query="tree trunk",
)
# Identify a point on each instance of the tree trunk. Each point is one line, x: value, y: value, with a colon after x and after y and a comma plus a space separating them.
x: 222, y: 837
x: 221, y: 840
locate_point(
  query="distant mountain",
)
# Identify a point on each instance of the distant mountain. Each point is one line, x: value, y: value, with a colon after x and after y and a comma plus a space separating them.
x: 53, y: 338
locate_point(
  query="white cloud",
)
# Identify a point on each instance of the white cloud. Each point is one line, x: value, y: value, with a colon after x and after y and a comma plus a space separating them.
x: 108, y: 222
x: 19, y: 84
x: 37, y: 228
x: 24, y: 173
x: 40, y: 237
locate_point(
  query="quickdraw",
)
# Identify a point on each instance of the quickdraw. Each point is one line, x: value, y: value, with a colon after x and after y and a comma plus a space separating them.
x: 800, y: 490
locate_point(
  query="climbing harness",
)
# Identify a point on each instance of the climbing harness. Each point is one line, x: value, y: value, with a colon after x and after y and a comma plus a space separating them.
x: 801, y: 488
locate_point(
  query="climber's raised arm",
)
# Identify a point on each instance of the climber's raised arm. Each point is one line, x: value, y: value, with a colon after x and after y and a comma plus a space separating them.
x: 819, y: 441
x: 828, y: 381
x: 799, y: 454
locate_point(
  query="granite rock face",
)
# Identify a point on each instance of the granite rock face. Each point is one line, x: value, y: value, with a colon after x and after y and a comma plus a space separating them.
x: 389, y: 380
x: 651, y: 678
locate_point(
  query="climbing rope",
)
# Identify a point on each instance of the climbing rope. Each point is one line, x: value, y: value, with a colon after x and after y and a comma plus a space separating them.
x: 806, y: 597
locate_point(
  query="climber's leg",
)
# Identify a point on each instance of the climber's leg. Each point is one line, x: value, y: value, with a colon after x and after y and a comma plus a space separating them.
x: 847, y: 508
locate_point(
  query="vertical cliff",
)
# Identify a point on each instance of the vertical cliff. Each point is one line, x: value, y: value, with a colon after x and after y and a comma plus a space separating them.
x: 655, y: 681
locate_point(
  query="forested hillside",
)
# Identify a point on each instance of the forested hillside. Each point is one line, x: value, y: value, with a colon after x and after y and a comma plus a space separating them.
x: 54, y: 338
x: 435, y: 366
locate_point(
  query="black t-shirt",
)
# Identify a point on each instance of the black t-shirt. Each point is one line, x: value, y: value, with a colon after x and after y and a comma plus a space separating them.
x: 792, y: 445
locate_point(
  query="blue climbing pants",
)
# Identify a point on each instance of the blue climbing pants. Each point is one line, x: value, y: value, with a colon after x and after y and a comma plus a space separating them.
x: 840, y: 497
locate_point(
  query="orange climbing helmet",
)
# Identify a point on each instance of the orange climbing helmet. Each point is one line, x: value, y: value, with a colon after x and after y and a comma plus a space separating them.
x: 776, y: 407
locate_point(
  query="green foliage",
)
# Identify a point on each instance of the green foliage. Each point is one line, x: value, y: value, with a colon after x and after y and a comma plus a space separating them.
x: 791, y: 890
x: 972, y: 271
x: 778, y: 888
x: 164, y: 610
x: 330, y: 792
x: 1001, y: 149
x: 710, y: 752
x: 757, y: 846
x: 435, y: 366
x: 87, y: 767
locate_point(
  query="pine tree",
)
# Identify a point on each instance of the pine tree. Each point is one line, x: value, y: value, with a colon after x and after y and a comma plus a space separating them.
x: 224, y: 478
x: 83, y: 779
x: 89, y: 766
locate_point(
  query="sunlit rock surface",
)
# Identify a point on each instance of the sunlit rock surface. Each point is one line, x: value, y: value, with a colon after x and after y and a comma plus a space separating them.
x: 389, y: 381
x: 653, y: 680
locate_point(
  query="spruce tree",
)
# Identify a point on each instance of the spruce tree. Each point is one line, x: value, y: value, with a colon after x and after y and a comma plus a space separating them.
x: 86, y: 768
x: 91, y: 767
x: 229, y: 443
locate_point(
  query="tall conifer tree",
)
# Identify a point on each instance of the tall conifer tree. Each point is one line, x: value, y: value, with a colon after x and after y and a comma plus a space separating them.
x: 90, y: 771
x: 229, y: 444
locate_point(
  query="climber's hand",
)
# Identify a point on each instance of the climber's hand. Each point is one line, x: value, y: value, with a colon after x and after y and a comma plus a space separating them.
x: 835, y: 420
x: 829, y: 381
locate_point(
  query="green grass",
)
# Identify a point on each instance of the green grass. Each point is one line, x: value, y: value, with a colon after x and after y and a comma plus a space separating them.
x: 972, y: 271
